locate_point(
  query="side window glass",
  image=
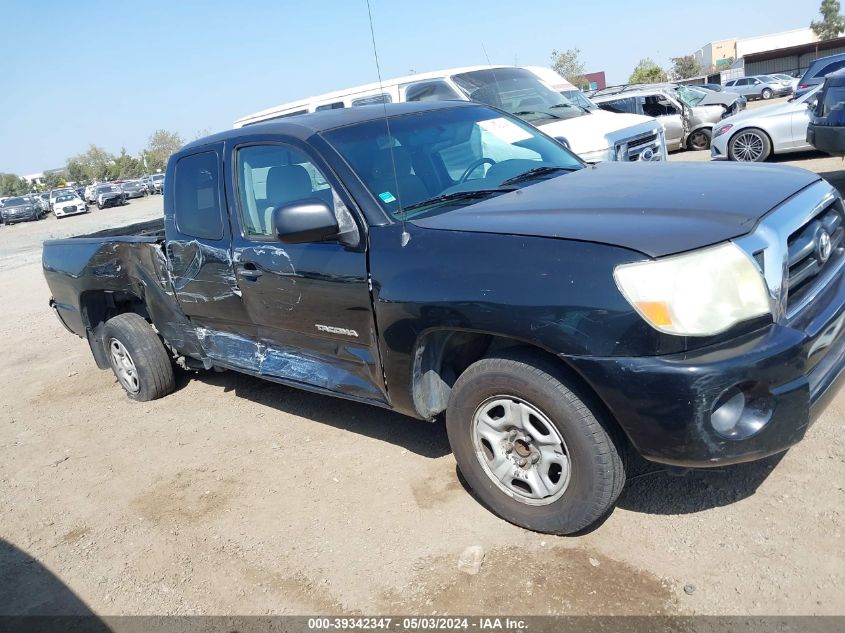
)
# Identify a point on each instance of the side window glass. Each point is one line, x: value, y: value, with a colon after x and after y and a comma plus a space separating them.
x: 436, y: 90
x: 272, y: 175
x: 373, y: 99
x: 832, y: 67
x: 337, y: 105
x: 197, y: 196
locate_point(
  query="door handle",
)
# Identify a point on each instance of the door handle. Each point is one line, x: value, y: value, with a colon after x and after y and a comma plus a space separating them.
x: 250, y: 271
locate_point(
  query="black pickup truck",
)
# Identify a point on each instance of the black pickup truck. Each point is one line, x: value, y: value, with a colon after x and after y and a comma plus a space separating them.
x: 447, y: 257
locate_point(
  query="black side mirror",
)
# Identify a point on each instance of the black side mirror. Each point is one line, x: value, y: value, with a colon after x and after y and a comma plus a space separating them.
x: 304, y: 221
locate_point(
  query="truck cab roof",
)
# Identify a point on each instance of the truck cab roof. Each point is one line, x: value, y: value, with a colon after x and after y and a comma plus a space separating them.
x: 303, y: 126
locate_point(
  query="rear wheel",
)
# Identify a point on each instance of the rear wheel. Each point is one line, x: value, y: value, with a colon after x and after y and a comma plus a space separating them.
x: 750, y: 146
x: 138, y: 358
x: 532, y: 450
x: 699, y: 140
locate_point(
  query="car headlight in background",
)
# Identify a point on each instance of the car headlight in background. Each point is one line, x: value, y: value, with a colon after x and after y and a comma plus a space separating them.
x: 701, y: 293
x: 722, y: 129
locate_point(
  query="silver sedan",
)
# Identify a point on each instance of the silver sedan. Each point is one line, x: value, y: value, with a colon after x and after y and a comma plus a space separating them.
x: 754, y: 135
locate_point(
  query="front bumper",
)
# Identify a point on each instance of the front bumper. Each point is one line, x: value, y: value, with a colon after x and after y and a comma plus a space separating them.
x: 664, y: 403
x: 719, y: 146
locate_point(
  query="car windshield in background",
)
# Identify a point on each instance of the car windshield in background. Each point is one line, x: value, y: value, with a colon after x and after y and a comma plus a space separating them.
x: 434, y: 161
x: 580, y: 99
x: 16, y: 202
x: 158, y: 177
x: 65, y: 198
x: 519, y: 92
x: 691, y: 96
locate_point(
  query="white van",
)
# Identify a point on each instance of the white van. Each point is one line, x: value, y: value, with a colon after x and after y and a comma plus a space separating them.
x: 595, y: 135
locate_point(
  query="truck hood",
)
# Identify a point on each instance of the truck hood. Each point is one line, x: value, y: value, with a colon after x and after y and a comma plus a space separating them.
x: 599, y: 129
x: 720, y: 98
x: 655, y: 208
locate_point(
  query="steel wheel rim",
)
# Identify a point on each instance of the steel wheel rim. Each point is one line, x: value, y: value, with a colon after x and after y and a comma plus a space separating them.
x: 520, y: 450
x: 747, y: 147
x: 699, y: 140
x: 124, y: 366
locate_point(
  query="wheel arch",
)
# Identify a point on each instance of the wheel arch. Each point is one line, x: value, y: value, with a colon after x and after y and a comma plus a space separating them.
x: 98, y: 306
x: 442, y: 355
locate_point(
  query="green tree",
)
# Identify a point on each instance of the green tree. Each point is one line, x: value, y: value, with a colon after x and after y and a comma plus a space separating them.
x: 647, y: 72
x: 96, y: 163
x: 76, y: 171
x: 832, y: 23
x: 685, y: 67
x: 159, y: 148
x: 568, y: 65
x: 126, y: 166
x: 53, y: 179
x: 13, y: 185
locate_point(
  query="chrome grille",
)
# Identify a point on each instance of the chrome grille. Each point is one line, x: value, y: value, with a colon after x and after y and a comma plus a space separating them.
x: 644, y: 147
x: 813, y: 248
x: 69, y: 209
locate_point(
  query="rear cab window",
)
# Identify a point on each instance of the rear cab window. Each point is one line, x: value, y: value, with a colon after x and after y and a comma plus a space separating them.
x: 197, y: 196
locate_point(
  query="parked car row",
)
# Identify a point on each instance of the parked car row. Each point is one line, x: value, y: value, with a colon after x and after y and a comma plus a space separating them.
x: 66, y: 201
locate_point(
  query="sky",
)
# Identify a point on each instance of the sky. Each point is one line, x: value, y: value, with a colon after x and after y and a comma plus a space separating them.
x: 111, y: 73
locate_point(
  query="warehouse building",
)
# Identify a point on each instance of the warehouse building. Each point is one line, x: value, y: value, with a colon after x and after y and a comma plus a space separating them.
x: 792, y: 60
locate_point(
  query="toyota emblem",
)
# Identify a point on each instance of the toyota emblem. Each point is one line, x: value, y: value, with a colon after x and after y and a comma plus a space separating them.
x: 823, y: 246
x: 647, y: 154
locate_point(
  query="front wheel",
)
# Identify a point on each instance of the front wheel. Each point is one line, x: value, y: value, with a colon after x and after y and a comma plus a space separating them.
x: 750, y: 146
x: 138, y: 358
x: 699, y: 140
x: 532, y: 450
x: 767, y: 94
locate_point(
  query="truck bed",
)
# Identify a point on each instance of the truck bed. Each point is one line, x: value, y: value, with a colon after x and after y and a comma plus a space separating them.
x: 149, y: 231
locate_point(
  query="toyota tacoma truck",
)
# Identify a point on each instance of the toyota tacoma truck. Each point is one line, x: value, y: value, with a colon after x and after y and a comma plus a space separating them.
x: 448, y: 259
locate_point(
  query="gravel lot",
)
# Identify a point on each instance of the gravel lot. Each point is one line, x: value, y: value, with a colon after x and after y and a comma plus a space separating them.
x: 235, y: 495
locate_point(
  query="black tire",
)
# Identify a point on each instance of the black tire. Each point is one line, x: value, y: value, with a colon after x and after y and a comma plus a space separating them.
x: 153, y: 369
x: 746, y: 138
x: 699, y: 140
x: 766, y: 94
x: 593, y: 444
x: 99, y: 206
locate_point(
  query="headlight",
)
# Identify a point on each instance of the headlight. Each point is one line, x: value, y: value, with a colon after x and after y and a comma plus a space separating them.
x: 696, y: 294
x: 597, y: 156
x: 722, y: 129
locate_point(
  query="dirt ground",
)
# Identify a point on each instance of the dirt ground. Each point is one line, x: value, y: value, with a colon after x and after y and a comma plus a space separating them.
x: 237, y: 496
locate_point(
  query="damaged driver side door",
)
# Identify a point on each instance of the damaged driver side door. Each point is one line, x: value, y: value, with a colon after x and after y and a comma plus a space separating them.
x: 199, y: 255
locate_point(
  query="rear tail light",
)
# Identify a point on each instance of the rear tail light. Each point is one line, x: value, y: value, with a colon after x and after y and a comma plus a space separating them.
x: 802, y: 86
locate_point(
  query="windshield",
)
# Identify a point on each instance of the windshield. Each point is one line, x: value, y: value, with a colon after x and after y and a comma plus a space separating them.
x: 691, y: 96
x: 65, y: 198
x: 517, y: 91
x: 580, y: 99
x: 158, y: 177
x: 15, y: 202
x: 466, y: 153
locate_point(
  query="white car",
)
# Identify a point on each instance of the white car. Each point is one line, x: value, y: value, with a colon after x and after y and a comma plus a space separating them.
x: 752, y: 136
x: 90, y: 196
x: 55, y: 193
x: 69, y: 204
x: 532, y: 93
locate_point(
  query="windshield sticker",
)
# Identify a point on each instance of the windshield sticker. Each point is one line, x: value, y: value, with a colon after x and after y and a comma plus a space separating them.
x: 505, y: 130
x: 387, y: 197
